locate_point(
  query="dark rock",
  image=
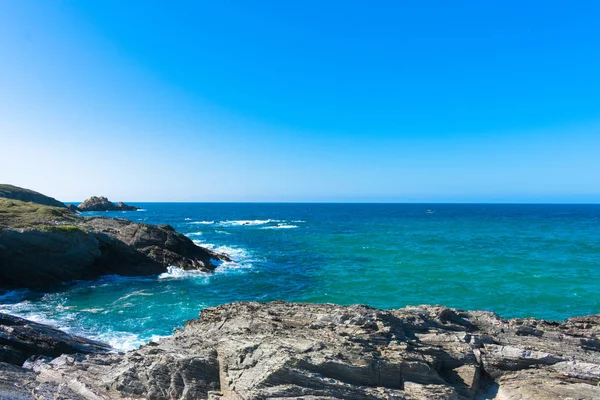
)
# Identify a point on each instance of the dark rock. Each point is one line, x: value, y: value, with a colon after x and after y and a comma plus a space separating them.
x: 44, y: 246
x: 103, y: 204
x: 310, y: 351
x: 21, y: 339
x: 95, y: 246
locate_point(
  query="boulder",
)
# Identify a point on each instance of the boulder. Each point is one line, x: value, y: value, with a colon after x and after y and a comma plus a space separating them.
x: 103, y: 204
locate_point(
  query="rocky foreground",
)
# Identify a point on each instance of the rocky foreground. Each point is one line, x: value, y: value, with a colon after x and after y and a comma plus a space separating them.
x: 44, y: 245
x: 308, y: 351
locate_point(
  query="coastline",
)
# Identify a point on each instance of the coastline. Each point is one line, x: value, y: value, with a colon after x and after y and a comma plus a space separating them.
x: 274, y: 349
x: 283, y: 350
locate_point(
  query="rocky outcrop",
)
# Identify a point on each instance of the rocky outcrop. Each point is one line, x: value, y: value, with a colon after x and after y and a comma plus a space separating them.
x: 44, y: 246
x: 310, y: 351
x: 26, y: 195
x: 103, y: 204
x: 90, y: 247
x: 21, y: 339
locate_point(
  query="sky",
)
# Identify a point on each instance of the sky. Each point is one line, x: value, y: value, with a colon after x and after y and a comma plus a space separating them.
x: 349, y: 101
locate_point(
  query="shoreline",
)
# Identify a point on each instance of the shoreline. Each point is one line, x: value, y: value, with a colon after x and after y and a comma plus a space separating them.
x: 278, y: 349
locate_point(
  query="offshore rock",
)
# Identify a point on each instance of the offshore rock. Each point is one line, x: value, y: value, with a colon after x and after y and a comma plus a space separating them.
x: 309, y: 351
x: 103, y: 204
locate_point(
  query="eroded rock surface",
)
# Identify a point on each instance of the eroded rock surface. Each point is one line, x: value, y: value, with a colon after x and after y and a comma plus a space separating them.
x: 44, y: 245
x: 309, y: 351
x: 21, y: 339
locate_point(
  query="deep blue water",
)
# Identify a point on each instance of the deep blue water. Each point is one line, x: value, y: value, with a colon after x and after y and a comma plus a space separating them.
x: 517, y: 260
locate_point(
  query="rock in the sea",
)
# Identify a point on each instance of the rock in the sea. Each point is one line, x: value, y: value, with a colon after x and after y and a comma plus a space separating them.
x: 101, y: 203
x: 21, y: 339
x: 309, y: 351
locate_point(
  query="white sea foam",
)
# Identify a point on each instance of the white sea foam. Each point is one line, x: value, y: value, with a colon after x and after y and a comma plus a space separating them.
x: 132, y: 294
x: 231, y: 266
x: 235, y: 253
x: 194, y: 234
x: 141, y: 209
x: 202, y: 222
x: 248, y: 222
x: 93, y: 310
x: 280, y: 226
x: 180, y: 273
x: 188, y: 219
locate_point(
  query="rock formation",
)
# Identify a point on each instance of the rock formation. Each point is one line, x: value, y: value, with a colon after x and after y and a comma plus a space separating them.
x: 26, y: 195
x: 103, y: 204
x: 309, y: 351
x: 43, y: 246
x: 28, y: 343
x: 21, y: 339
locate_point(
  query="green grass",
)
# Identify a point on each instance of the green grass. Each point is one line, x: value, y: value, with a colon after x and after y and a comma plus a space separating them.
x: 19, y: 214
x: 61, y: 228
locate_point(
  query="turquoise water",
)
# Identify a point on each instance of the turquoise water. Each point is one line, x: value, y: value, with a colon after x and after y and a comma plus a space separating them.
x: 517, y: 260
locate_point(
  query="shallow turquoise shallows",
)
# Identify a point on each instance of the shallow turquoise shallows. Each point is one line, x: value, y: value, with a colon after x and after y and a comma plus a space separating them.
x: 517, y: 260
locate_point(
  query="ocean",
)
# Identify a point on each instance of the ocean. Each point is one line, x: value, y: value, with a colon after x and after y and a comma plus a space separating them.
x: 539, y: 261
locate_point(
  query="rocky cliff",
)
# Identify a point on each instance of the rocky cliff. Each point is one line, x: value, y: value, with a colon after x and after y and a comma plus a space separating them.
x: 309, y: 351
x: 42, y: 246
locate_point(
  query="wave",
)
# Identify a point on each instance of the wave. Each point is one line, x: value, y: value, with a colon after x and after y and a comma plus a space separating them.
x: 188, y: 219
x: 248, y: 222
x: 202, y: 222
x: 194, y: 234
x: 141, y: 209
x: 235, y: 253
x: 125, y: 341
x: 180, y: 273
x: 280, y: 226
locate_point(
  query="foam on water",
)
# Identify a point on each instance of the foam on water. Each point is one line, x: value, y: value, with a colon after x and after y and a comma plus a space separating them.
x: 202, y: 222
x: 180, y: 273
x: 245, y: 222
x: 125, y: 341
x: 280, y: 226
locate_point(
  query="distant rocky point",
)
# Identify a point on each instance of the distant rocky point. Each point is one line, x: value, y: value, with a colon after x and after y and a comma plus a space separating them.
x: 101, y: 203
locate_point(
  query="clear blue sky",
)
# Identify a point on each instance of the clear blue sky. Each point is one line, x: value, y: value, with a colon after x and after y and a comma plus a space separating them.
x: 302, y: 101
